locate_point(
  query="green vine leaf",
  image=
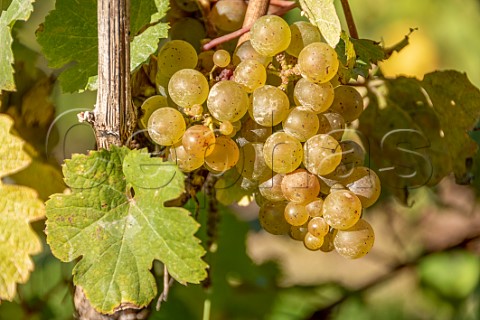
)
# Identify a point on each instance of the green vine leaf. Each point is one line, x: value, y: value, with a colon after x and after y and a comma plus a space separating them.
x: 18, y: 207
x: 17, y: 10
x: 322, y: 13
x: 69, y: 34
x: 115, y: 219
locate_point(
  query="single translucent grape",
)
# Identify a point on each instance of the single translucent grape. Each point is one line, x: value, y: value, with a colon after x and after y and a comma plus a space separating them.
x: 271, y: 188
x: 318, y: 62
x: 188, y: 87
x: 272, y: 219
x: 347, y: 102
x: 245, y: 51
x: 300, y: 123
x: 259, y: 199
x: 251, y: 74
x: 328, y: 245
x: 187, y: 5
x: 312, y: 243
x: 221, y: 58
x: 317, y: 97
x: 253, y: 132
x: 186, y: 161
x: 228, y: 15
x: 176, y: 55
x: 205, y: 61
x: 283, y: 153
x: 364, y: 182
x: 300, y: 186
x: 226, y: 128
x: 322, y: 154
x: 331, y: 124
x: 166, y: 126
x: 251, y: 164
x: 318, y: 227
x: 303, y: 33
x: 148, y: 107
x: 356, y: 241
x: 197, y: 140
x: 224, y: 156
x: 190, y: 30
x: 296, y: 214
x: 314, y: 208
x: 298, y: 232
x: 227, y: 101
x: 270, y: 35
x: 270, y: 106
x: 342, y: 209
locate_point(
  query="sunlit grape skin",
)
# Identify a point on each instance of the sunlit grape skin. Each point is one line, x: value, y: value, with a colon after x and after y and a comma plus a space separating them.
x: 317, y: 97
x: 251, y: 74
x: 176, y: 55
x: 282, y: 152
x: 221, y: 58
x: 365, y: 183
x: 318, y: 227
x: 270, y: 35
x: 227, y: 101
x: 271, y: 188
x: 342, y: 209
x: 322, y: 154
x: 269, y: 106
x: 356, y: 241
x: 246, y: 51
x: 318, y: 62
x: 347, y: 102
x: 149, y: 106
x: 300, y: 123
x: 228, y: 15
x: 300, y: 186
x: 312, y: 243
x: 183, y: 159
x: 296, y: 214
x: 197, y: 139
x: 188, y: 87
x: 303, y: 33
x: 331, y: 123
x: 224, y: 156
x: 166, y: 126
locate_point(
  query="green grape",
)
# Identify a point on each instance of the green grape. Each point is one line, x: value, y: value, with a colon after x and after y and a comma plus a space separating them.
x: 314, y: 208
x: 337, y: 187
x: 322, y: 154
x: 148, y: 107
x: 331, y: 124
x: 328, y: 245
x: 190, y: 30
x: 312, y: 243
x: 270, y: 35
x: 298, y: 232
x: 296, y: 214
x: 318, y: 62
x: 251, y: 74
x: 221, y: 58
x: 356, y: 241
x: 300, y: 186
x: 251, y: 164
x: 342, y: 209
x: 303, y: 33
x: 188, y: 87
x: 347, y: 102
x: 227, y: 101
x: 365, y: 183
x: 197, y: 139
x: 283, y: 153
x: 317, y: 97
x: 272, y: 219
x: 253, y: 132
x: 259, y: 199
x: 166, y: 126
x: 245, y: 51
x: 187, y: 5
x: 271, y: 188
x: 300, y: 123
x: 205, y: 61
x: 318, y: 227
x: 224, y: 154
x: 269, y: 106
x: 352, y: 154
x: 226, y: 128
x: 186, y: 161
x: 228, y: 15
x: 176, y: 55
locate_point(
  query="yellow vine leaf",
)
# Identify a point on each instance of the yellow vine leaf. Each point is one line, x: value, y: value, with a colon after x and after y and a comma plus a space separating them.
x: 18, y: 207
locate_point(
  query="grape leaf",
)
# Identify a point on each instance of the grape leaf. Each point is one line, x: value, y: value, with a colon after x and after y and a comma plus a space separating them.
x: 322, y: 13
x: 18, y: 206
x: 116, y: 220
x: 17, y: 10
x: 69, y: 34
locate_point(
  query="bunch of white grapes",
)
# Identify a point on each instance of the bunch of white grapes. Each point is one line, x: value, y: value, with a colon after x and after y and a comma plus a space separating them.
x: 288, y: 143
